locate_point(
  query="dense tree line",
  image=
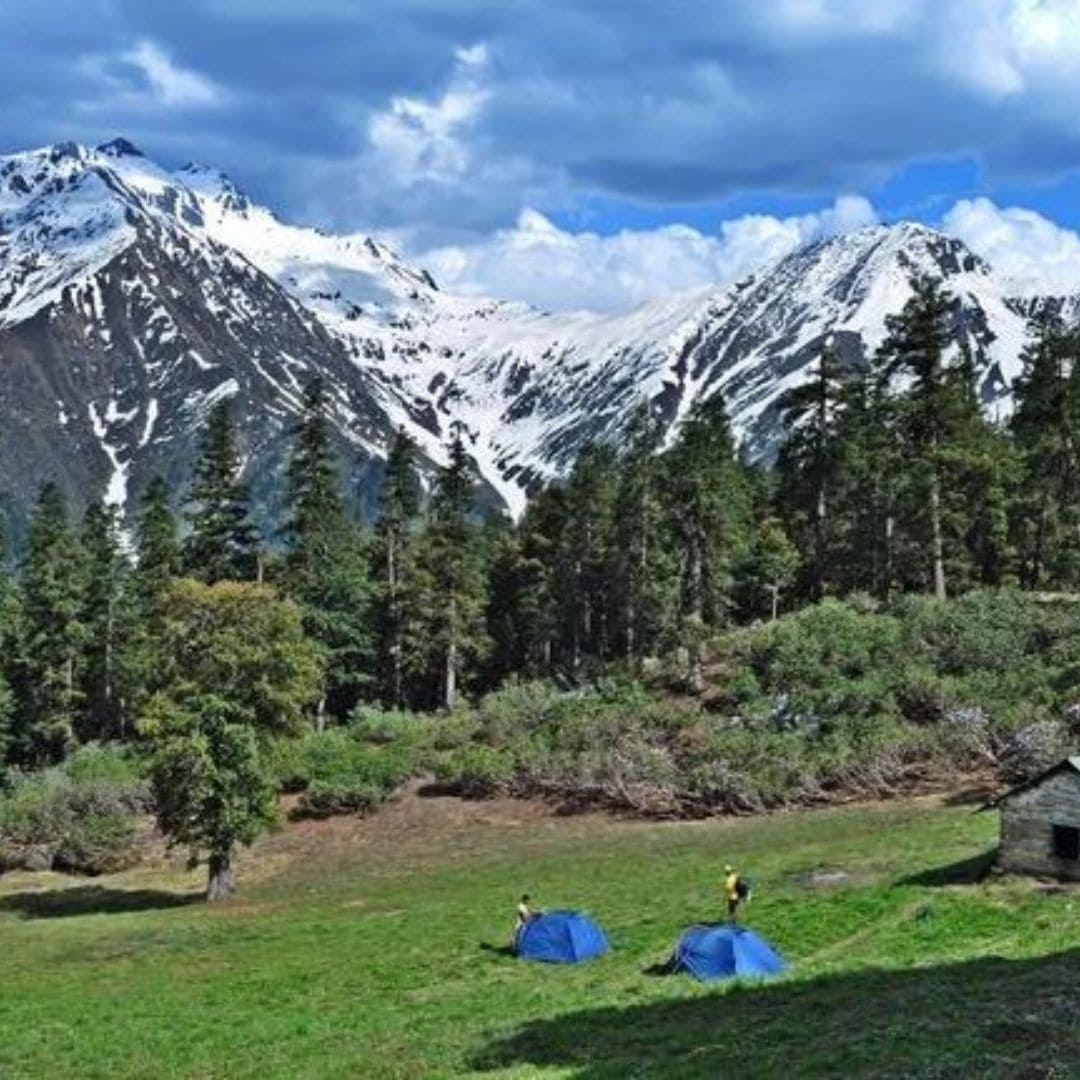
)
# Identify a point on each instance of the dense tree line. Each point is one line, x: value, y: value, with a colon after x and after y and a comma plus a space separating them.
x: 889, y: 478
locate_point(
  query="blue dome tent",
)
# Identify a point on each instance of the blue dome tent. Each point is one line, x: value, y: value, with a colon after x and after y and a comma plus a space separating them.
x: 561, y: 937
x: 725, y: 951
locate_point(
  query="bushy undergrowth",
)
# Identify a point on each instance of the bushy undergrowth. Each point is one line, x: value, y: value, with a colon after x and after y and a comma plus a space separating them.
x: 356, y: 768
x: 839, y: 700
x: 81, y: 816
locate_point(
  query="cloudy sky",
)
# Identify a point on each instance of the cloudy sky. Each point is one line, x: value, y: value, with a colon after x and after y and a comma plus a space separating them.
x: 589, y: 153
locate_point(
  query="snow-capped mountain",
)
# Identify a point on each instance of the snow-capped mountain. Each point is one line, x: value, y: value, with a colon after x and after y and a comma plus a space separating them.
x: 132, y: 298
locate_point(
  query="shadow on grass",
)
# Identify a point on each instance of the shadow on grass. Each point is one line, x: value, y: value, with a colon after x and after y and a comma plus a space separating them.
x: 986, y: 1018
x: 93, y: 900
x: 497, y: 950
x: 965, y: 872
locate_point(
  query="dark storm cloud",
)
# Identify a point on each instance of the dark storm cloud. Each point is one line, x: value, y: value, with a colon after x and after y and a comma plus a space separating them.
x: 676, y: 100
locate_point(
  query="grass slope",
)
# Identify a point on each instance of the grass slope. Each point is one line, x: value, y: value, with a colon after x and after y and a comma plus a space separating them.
x: 355, y: 952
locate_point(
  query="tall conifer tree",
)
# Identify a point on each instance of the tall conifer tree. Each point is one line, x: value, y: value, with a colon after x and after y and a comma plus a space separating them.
x: 325, y: 561
x: 51, y: 633
x: 222, y: 543
x: 394, y: 568
x: 707, y: 499
x: 103, y: 616
x: 452, y: 554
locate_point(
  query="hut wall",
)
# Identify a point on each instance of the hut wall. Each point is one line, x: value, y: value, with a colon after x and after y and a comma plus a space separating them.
x: 1027, y: 826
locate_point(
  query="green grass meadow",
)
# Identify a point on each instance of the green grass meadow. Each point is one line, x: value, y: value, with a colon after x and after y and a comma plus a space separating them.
x: 361, y: 956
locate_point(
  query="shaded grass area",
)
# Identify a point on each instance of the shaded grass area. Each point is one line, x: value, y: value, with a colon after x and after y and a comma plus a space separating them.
x: 387, y: 959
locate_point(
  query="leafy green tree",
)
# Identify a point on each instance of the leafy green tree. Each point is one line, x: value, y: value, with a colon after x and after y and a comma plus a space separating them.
x: 235, y: 670
x: 222, y: 544
x: 394, y: 567
x: 105, y: 574
x: 325, y: 564
x: 51, y: 633
x: 767, y: 570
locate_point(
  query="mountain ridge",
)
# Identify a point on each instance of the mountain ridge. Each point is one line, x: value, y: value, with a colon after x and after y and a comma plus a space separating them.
x: 133, y: 297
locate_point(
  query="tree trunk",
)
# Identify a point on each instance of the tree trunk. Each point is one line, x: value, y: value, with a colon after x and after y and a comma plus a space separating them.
x: 936, y: 542
x: 320, y: 715
x: 695, y: 617
x: 219, y: 883
x: 775, y: 591
x: 819, y: 542
x: 395, y: 621
x: 885, y: 589
x: 450, y: 696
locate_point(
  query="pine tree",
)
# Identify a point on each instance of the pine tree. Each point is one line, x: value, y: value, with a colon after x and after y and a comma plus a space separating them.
x: 915, y: 348
x: 867, y: 485
x: 9, y: 623
x: 585, y: 555
x: 157, y: 548
x: 105, y: 571
x: 452, y: 554
x: 325, y: 560
x: 51, y: 633
x: 979, y: 473
x: 157, y: 565
x: 222, y: 543
x: 1046, y: 431
x: 808, y: 463
x: 394, y: 568
x: 643, y: 578
x: 522, y: 614
x: 707, y: 500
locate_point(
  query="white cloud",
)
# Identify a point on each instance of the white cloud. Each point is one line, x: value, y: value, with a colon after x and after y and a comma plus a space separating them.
x: 420, y: 140
x: 1037, y: 255
x: 1011, y: 47
x: 169, y: 83
x: 558, y: 270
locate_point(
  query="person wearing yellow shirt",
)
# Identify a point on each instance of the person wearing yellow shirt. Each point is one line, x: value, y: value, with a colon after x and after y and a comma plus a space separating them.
x: 735, y: 892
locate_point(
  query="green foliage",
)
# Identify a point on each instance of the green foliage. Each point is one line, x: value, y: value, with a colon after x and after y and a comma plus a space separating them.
x: 236, y: 671
x: 339, y: 773
x: 81, y: 817
x: 325, y: 565
x: 222, y: 544
x: 452, y: 636
x: 106, y: 625
x: 51, y: 634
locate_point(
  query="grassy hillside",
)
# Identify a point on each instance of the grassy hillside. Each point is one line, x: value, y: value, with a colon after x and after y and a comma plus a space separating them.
x: 371, y: 949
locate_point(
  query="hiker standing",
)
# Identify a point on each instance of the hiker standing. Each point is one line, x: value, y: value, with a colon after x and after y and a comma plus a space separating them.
x: 523, y: 915
x: 736, y: 890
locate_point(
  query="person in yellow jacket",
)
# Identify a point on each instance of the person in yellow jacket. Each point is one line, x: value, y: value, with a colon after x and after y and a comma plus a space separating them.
x: 736, y: 890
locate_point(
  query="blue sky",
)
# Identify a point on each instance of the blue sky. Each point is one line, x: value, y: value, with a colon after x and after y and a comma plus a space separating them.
x: 591, y: 152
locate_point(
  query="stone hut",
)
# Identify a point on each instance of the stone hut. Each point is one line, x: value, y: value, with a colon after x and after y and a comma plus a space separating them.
x: 1040, y: 824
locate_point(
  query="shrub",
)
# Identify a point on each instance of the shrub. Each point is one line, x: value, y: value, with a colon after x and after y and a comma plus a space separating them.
x: 339, y: 774
x: 80, y: 817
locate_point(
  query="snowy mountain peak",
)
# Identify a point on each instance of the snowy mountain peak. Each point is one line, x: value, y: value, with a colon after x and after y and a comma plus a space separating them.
x: 119, y: 147
x: 132, y: 297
